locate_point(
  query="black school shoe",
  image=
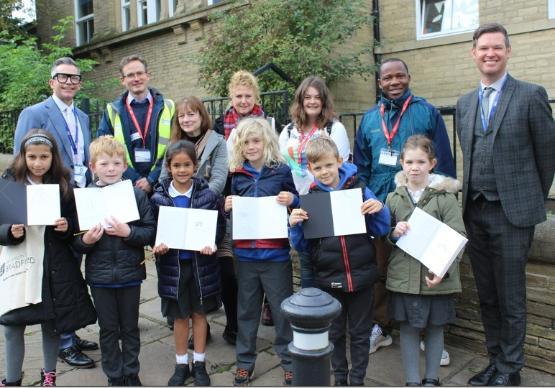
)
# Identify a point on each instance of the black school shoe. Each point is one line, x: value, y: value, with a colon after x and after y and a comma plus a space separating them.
x: 117, y: 382
x: 74, y: 357
x: 132, y: 381
x: 180, y: 375
x: 83, y: 344
x: 430, y: 383
x: 200, y: 375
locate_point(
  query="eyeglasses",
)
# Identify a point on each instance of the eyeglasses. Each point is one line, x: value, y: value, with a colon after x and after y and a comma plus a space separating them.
x: 139, y: 74
x: 63, y: 78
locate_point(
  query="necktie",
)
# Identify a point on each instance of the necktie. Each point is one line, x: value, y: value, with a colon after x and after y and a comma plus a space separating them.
x: 485, y: 102
x: 70, y: 119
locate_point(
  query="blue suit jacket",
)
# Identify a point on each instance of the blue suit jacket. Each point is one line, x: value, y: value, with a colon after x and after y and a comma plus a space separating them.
x: 47, y: 115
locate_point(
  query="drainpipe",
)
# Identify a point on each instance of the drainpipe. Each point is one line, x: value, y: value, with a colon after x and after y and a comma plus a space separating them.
x: 376, y: 43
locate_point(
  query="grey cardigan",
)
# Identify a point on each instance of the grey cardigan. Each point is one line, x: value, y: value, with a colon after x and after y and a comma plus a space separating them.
x: 212, y: 165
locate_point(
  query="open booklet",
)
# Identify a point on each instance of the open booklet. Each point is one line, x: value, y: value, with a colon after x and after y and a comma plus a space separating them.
x: 29, y: 204
x: 184, y: 228
x: 430, y: 241
x: 258, y: 217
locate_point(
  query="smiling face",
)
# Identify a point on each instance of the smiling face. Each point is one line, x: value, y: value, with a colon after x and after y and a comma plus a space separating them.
x: 417, y: 165
x: 491, y: 56
x: 394, y: 79
x: 243, y: 99
x: 312, y: 103
x: 253, y: 150
x: 108, y: 169
x: 190, y: 122
x: 65, y: 91
x: 326, y: 170
x: 182, y: 169
x: 38, y: 158
x: 135, y: 79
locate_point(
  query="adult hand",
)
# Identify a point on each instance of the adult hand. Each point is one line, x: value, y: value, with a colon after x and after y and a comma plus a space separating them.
x: 143, y: 185
x: 118, y: 228
x: 371, y: 206
x: 285, y: 198
x: 160, y: 249
x: 297, y: 216
x: 400, y: 229
x: 60, y: 225
x: 228, y: 203
x: 93, y: 234
x: 18, y: 230
x: 433, y: 280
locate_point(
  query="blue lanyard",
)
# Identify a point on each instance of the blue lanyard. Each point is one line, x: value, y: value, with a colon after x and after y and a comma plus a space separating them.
x: 73, y: 143
x: 485, y: 122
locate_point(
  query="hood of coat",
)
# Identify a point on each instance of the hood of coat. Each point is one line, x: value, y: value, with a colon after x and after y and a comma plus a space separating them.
x: 436, y: 181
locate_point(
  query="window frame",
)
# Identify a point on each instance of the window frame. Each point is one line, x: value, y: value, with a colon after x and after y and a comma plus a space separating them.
x: 153, y: 10
x: 172, y: 5
x: 125, y: 10
x: 551, y: 9
x: 419, y: 4
x: 213, y: 2
x: 81, y: 22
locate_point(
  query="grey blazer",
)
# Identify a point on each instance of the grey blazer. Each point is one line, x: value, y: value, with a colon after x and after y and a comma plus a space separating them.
x: 46, y: 115
x: 212, y: 165
x: 523, y: 149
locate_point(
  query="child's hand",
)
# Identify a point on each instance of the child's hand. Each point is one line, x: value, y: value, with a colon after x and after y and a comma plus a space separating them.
x: 209, y: 250
x: 433, y: 280
x: 400, y: 229
x: 61, y: 225
x: 118, y: 229
x: 93, y: 234
x: 297, y: 216
x: 18, y: 230
x: 371, y: 206
x: 228, y: 203
x: 160, y: 249
x: 285, y: 198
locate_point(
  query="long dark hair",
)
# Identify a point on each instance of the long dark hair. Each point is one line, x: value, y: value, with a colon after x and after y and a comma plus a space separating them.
x: 57, y: 174
x: 298, y: 115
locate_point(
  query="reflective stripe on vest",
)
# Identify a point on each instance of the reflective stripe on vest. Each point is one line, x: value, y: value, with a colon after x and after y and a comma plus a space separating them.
x: 164, y: 130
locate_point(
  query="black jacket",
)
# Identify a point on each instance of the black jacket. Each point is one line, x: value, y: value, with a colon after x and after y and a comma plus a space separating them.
x: 65, y: 298
x: 206, y: 269
x: 116, y: 260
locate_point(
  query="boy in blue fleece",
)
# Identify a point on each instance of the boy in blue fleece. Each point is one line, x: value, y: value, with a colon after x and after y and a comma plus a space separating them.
x: 344, y: 266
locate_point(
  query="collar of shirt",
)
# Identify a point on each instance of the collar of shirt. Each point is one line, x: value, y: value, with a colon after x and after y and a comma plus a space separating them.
x: 497, y: 85
x: 173, y: 192
x: 130, y: 98
x: 62, y: 105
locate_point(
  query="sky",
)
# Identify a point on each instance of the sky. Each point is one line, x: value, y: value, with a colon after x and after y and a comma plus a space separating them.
x: 28, y: 11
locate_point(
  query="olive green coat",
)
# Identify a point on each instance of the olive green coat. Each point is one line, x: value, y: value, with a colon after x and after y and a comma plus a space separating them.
x: 404, y: 273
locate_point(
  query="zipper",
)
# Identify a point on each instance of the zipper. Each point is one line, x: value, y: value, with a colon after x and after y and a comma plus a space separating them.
x: 347, y: 264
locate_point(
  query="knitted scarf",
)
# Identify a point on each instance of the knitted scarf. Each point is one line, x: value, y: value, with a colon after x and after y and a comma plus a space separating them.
x: 231, y: 118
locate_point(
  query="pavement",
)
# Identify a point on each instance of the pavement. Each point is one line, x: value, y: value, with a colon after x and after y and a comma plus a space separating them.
x: 158, y: 355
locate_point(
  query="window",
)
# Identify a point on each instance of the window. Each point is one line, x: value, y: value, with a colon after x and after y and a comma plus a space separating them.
x: 148, y: 11
x: 125, y: 15
x: 445, y: 17
x: 172, y: 5
x: 212, y: 2
x: 84, y: 21
x: 551, y: 9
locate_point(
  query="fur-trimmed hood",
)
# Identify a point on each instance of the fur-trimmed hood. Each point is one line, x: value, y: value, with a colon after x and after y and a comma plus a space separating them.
x: 436, y: 181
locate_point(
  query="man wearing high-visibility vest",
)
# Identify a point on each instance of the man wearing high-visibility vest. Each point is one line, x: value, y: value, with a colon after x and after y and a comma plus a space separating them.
x: 141, y: 120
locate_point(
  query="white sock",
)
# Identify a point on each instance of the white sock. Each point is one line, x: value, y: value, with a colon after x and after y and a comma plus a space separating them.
x: 199, y: 357
x: 182, y: 358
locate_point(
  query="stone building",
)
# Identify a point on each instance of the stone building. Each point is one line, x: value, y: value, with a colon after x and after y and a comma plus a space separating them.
x: 432, y: 36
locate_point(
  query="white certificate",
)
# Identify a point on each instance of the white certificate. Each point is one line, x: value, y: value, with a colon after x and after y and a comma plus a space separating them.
x: 347, y: 216
x: 190, y: 229
x: 96, y: 204
x: 431, y: 242
x: 43, y: 204
x: 258, y: 218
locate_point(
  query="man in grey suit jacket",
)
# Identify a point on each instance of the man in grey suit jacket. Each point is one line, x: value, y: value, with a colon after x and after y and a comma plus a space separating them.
x: 507, y: 136
x: 70, y: 127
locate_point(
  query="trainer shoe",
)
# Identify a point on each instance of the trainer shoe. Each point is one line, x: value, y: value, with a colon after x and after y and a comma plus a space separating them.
x: 242, y: 377
x: 288, y: 377
x: 47, y: 379
x: 378, y: 339
x: 445, y: 359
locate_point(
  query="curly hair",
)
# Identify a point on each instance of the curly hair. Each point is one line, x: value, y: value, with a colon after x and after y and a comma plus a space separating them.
x: 247, y: 79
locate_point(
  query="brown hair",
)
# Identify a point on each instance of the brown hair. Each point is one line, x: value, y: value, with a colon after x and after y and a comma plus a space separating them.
x: 320, y: 147
x: 421, y: 142
x: 490, y: 28
x: 194, y: 104
x: 57, y: 173
x: 130, y: 58
x: 298, y: 115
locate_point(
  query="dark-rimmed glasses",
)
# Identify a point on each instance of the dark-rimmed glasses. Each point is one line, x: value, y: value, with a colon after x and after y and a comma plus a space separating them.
x: 63, y: 78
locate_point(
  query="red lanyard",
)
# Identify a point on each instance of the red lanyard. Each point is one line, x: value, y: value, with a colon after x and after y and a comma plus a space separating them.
x: 303, y: 141
x: 390, y: 135
x: 141, y: 133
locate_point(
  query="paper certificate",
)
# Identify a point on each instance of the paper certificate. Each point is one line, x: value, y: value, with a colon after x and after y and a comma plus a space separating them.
x: 335, y: 213
x: 96, y: 204
x: 431, y: 242
x: 29, y: 204
x: 258, y: 218
x: 190, y: 229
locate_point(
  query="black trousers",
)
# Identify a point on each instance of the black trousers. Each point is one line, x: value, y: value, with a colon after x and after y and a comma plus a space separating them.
x: 356, y: 314
x: 118, y: 318
x: 498, y: 253
x: 229, y: 292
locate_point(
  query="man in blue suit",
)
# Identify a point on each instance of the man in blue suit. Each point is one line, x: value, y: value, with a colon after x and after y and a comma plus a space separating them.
x: 70, y: 127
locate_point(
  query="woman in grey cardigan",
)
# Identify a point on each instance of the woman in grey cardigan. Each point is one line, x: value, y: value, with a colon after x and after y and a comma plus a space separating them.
x: 192, y: 123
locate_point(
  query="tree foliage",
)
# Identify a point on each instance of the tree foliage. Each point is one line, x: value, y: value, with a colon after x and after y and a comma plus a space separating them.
x: 303, y: 37
x: 25, y: 69
x: 8, y: 22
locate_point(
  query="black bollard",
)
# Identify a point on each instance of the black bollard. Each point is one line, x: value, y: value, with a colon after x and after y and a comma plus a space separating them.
x: 310, y: 312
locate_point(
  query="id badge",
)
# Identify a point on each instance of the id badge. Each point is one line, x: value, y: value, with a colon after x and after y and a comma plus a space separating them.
x: 80, y: 175
x: 388, y: 157
x: 142, y: 155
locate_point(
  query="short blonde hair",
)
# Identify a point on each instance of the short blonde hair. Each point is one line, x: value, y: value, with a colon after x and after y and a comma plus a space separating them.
x: 106, y: 145
x: 255, y: 126
x: 244, y: 78
x: 321, y: 147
